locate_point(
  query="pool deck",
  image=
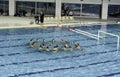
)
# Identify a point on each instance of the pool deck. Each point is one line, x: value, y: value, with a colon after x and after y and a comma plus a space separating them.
x: 28, y: 22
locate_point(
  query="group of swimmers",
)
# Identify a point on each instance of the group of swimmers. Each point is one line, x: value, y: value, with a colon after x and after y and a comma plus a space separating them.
x: 52, y: 45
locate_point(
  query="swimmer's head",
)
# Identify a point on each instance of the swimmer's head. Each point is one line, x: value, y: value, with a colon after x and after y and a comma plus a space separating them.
x: 77, y: 43
x: 43, y: 44
x: 37, y: 39
x: 43, y: 39
x: 40, y: 45
x: 31, y: 39
x: 53, y: 40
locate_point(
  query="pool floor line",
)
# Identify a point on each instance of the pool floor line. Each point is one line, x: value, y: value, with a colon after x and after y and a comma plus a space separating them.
x: 50, y: 37
x: 91, y: 44
x: 64, y: 68
x: 41, y: 37
x: 14, y: 46
x: 64, y: 57
x: 19, y: 39
x: 38, y: 38
x: 12, y: 54
x: 23, y: 45
x: 26, y: 45
x: 18, y: 53
x: 110, y: 74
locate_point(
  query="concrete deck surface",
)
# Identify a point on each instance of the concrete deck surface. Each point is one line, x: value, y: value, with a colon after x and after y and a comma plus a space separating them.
x: 20, y: 22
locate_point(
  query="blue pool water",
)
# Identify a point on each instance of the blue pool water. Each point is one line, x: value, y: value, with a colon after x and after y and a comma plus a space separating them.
x: 17, y: 59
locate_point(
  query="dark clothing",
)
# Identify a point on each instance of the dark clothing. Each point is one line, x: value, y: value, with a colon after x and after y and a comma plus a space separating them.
x: 1, y: 11
x: 32, y: 11
x: 36, y: 19
x: 42, y: 18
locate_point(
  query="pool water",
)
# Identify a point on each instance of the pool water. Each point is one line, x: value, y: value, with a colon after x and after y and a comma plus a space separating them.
x: 17, y: 59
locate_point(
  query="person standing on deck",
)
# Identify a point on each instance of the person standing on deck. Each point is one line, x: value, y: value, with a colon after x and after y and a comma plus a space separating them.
x: 41, y: 17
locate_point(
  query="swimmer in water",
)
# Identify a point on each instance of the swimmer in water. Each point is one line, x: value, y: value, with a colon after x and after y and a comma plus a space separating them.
x: 40, y: 48
x: 56, y: 48
x: 43, y: 46
x: 62, y: 41
x: 43, y: 41
x: 67, y: 42
x: 37, y: 40
x: 66, y: 47
x: 47, y: 48
x: 77, y: 46
x: 52, y: 41
x: 31, y: 41
x: 33, y: 44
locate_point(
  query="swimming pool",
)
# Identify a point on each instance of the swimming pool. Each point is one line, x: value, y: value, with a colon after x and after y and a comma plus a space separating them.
x: 97, y: 60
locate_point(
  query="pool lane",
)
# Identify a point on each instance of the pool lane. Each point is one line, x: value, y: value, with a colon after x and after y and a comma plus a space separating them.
x: 24, y: 62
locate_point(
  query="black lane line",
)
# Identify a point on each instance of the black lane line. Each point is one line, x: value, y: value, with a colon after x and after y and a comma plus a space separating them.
x: 109, y: 75
x: 57, y: 58
x: 26, y: 44
x: 74, y: 41
x: 22, y: 45
x: 65, y: 68
x: 50, y: 37
x: 39, y: 37
x: 45, y: 37
x: 12, y: 40
x: 13, y: 54
x: 100, y: 44
x: 47, y: 33
x: 18, y: 53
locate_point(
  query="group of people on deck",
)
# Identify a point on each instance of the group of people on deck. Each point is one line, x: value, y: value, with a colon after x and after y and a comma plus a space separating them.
x: 39, y: 18
x: 52, y: 45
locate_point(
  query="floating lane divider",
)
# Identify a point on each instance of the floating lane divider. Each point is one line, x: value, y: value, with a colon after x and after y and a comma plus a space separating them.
x: 85, y: 33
